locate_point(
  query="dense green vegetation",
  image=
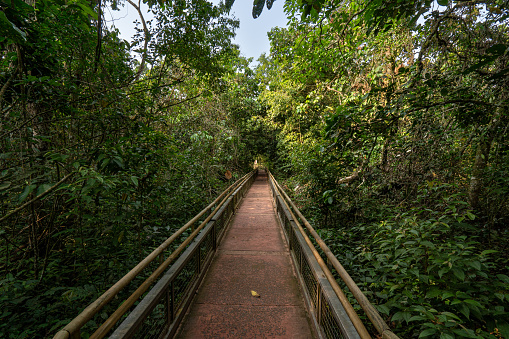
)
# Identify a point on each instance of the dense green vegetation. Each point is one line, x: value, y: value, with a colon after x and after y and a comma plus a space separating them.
x: 141, y: 144
x: 392, y: 121
x: 387, y: 119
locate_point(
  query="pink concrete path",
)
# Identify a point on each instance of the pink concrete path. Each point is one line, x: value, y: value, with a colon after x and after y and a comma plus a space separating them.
x: 251, y: 257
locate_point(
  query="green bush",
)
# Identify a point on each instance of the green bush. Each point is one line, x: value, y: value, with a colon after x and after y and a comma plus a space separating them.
x: 429, y: 276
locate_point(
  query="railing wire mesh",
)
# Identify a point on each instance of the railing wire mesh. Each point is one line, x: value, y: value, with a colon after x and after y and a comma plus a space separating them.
x: 159, y: 313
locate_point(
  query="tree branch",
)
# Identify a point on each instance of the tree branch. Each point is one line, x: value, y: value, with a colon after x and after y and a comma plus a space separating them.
x: 39, y: 197
x: 99, y: 37
x: 147, y: 38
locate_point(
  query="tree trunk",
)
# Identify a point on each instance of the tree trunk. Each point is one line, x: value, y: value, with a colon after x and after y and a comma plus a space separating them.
x: 476, y: 181
x: 481, y: 160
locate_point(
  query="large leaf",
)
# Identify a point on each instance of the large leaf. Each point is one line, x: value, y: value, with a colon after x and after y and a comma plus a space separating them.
x: 88, y: 11
x: 258, y: 8
x: 28, y: 189
x: 11, y: 30
x: 43, y: 188
x: 5, y: 185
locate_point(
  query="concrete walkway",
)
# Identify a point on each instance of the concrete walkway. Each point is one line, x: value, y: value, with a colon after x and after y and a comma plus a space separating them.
x: 251, y: 257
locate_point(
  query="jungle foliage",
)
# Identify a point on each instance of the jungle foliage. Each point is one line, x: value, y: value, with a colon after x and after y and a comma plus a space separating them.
x: 391, y: 120
x: 107, y: 146
x: 388, y: 120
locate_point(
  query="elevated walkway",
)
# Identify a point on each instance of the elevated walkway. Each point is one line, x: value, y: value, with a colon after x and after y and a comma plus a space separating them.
x: 252, y: 258
x: 249, y: 264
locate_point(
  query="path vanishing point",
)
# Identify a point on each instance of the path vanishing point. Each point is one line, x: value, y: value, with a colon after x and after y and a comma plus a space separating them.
x: 252, y: 259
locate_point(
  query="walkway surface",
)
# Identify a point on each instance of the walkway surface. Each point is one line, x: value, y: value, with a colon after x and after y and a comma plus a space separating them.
x: 251, y: 257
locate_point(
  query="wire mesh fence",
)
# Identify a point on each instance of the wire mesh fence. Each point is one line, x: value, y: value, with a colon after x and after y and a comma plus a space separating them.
x: 160, y: 311
x: 328, y: 322
x: 324, y: 305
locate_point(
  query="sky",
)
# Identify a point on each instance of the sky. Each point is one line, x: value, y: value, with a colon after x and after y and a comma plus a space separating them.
x: 251, y: 35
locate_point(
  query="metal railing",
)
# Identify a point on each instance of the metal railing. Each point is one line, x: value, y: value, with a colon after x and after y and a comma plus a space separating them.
x: 160, y: 311
x: 330, y: 309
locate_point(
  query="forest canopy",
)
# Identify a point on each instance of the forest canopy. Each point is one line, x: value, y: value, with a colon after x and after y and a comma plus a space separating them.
x: 387, y: 122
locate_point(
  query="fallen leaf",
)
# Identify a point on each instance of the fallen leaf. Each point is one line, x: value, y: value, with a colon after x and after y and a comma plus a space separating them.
x: 254, y: 294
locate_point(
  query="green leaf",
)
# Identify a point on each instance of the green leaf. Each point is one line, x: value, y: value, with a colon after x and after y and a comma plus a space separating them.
x: 417, y: 317
x: 120, y: 237
x: 382, y: 309
x: 446, y: 336
x: 229, y: 4
x: 397, y: 316
x: 475, y: 264
x: 443, y: 2
x: 503, y: 277
x: 26, y: 192
x: 134, y: 180
x: 87, y: 10
x: 446, y: 295
x: 402, y: 315
x: 473, y: 302
x: 464, y: 332
x: 460, y: 274
x: 500, y: 296
x: 258, y: 8
x: 451, y: 315
x: 119, y: 161
x: 43, y: 188
x: 442, y: 271
x: 433, y: 293
x: 427, y: 244
x: 427, y: 333
x: 5, y: 185
x: 464, y: 310
x: 8, y: 27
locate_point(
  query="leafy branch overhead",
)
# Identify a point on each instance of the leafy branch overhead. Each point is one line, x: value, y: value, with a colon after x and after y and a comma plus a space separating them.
x: 258, y: 6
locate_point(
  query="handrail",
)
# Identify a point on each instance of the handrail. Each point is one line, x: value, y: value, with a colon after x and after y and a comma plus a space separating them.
x: 359, y: 326
x: 159, y: 313
x: 72, y: 330
x: 377, y: 321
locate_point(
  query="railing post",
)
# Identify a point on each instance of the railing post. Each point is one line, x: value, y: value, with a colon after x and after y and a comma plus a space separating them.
x: 198, y: 264
x: 290, y: 239
x: 167, y: 309
x: 214, y: 236
x: 172, y: 300
x: 318, y: 304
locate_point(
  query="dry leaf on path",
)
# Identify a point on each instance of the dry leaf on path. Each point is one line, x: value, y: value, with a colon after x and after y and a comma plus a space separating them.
x: 254, y: 294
